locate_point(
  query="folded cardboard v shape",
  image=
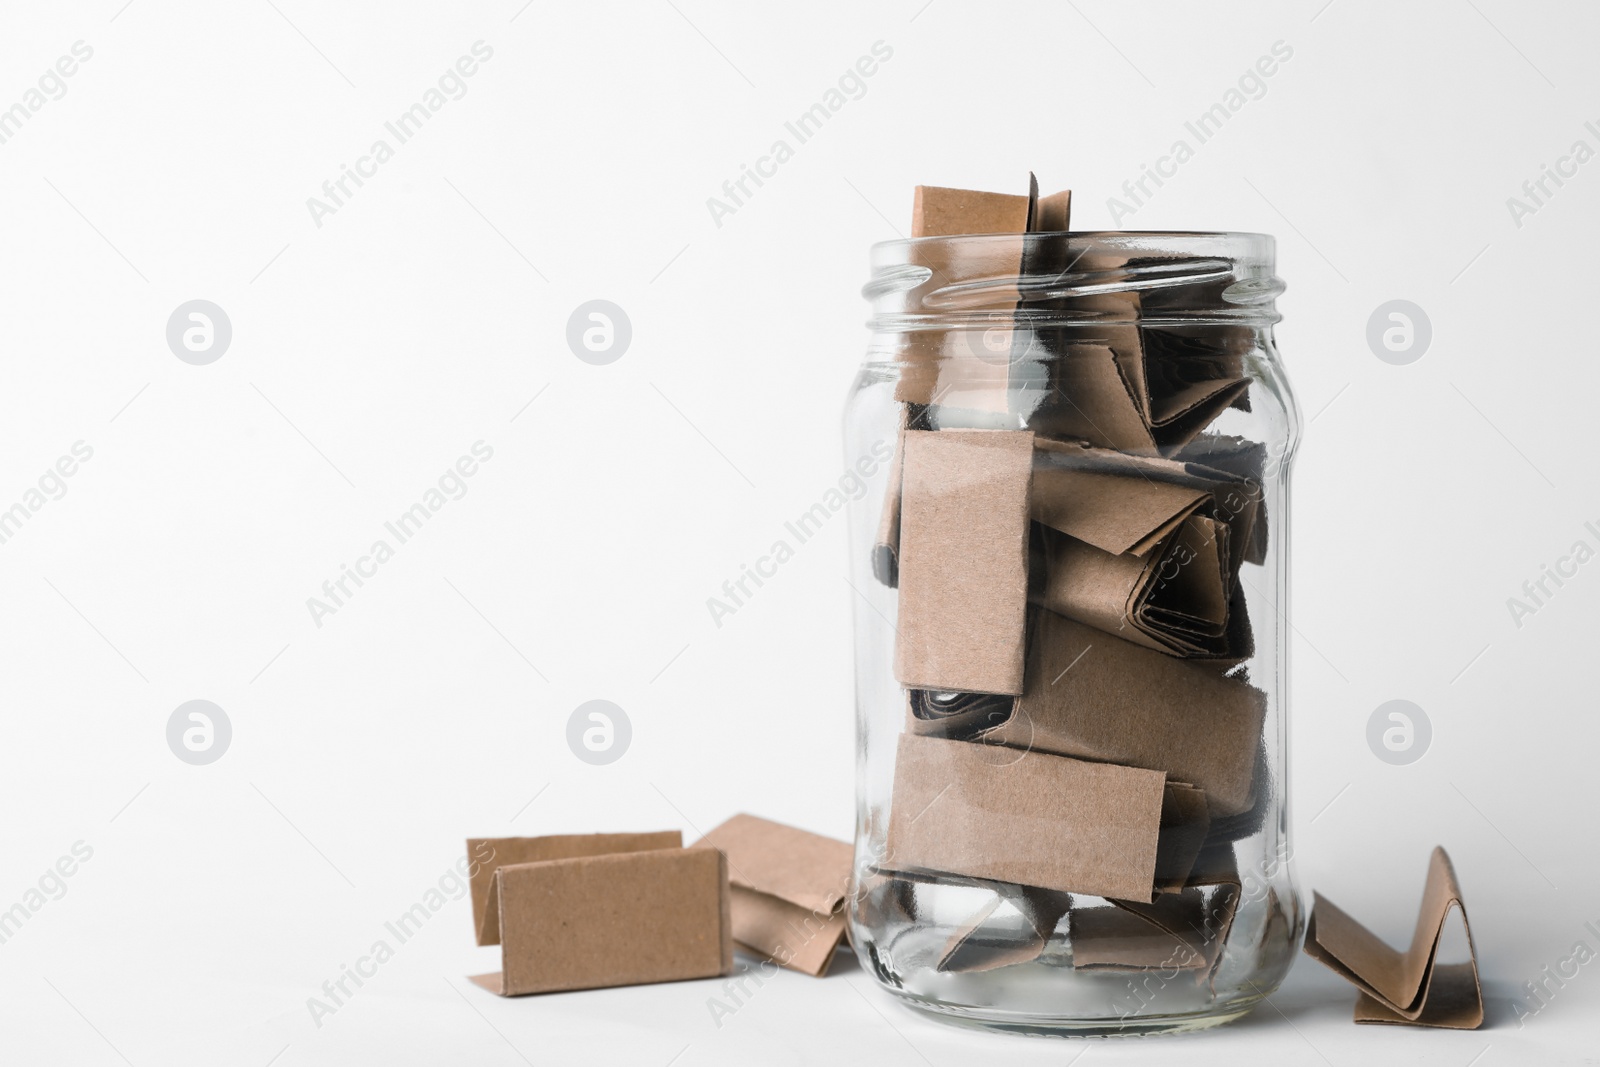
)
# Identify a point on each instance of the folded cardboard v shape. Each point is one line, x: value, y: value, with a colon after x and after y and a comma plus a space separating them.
x: 1410, y: 987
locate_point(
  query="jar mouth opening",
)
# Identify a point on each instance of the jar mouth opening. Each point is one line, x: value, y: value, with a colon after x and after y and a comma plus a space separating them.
x: 1242, y: 237
x: 1074, y: 277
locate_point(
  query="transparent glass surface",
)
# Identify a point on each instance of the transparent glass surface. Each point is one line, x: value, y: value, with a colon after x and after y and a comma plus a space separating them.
x: 1002, y: 332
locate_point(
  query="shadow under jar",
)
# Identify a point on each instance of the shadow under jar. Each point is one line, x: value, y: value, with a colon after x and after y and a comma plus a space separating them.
x: 1070, y: 612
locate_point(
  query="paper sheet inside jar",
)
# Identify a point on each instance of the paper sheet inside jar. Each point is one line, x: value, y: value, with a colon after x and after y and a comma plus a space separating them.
x: 1092, y: 696
x: 1119, y: 383
x: 1142, y: 559
x: 1096, y: 696
x: 1029, y: 818
x: 969, y: 366
x: 963, y: 568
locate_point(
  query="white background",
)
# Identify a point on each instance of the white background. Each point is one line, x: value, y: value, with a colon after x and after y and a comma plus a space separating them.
x: 424, y: 315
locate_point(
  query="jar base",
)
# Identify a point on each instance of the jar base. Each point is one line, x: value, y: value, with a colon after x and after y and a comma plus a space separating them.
x: 1072, y: 1026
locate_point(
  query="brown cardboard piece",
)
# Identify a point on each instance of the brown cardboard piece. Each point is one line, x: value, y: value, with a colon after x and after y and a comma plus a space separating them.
x: 1138, y: 558
x: 503, y: 851
x: 941, y: 212
x: 1410, y: 987
x: 1184, y: 822
x: 970, y: 367
x: 973, y: 947
x: 963, y: 564
x: 1224, y: 472
x: 1053, y: 214
x: 1096, y: 397
x: 1029, y: 818
x: 1093, y: 696
x: 1184, y: 928
x: 625, y: 918
x: 1119, y: 383
x: 886, y: 546
x: 788, y: 890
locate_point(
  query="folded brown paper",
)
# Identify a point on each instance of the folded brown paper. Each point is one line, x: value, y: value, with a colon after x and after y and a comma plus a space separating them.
x: 1108, y: 938
x: 1410, y: 987
x: 1225, y: 467
x: 1184, y: 928
x: 1124, y: 385
x: 587, y: 922
x: 788, y: 888
x: 504, y: 851
x: 1184, y: 822
x: 983, y: 811
x: 969, y: 367
x: 1139, y: 558
x: 1093, y: 696
x: 886, y: 546
x: 963, y: 563
x: 941, y: 212
x: 974, y: 948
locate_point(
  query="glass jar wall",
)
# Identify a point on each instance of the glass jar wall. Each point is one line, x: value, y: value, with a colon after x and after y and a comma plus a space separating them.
x: 1070, y: 604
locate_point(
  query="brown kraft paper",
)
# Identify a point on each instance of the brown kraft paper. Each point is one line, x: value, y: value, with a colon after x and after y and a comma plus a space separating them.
x: 963, y: 560
x: 587, y: 922
x: 788, y: 890
x: 1093, y: 696
x: 1410, y: 987
x: 1029, y: 818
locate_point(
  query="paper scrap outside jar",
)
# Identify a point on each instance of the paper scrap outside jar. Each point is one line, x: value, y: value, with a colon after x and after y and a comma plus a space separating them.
x: 789, y: 886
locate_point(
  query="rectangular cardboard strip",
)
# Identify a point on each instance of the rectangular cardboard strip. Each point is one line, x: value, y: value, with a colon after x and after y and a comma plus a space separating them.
x: 586, y: 922
x: 963, y: 565
x: 491, y: 853
x: 1029, y: 818
x: 788, y: 890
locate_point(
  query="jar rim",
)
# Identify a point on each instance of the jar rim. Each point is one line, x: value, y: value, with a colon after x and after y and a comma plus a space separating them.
x: 1062, y: 278
x: 1264, y: 244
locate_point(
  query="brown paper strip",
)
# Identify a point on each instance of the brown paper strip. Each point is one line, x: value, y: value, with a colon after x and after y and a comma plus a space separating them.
x: 790, y: 935
x: 491, y: 853
x: 886, y: 546
x: 1034, y: 819
x: 788, y: 888
x: 941, y: 212
x: 1191, y: 922
x: 1184, y: 822
x: 589, y: 922
x: 1403, y: 987
x: 1234, y: 481
x: 963, y: 560
x: 1093, y: 696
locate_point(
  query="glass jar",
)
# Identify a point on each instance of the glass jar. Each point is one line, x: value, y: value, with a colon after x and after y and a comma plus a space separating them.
x: 1071, y: 595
